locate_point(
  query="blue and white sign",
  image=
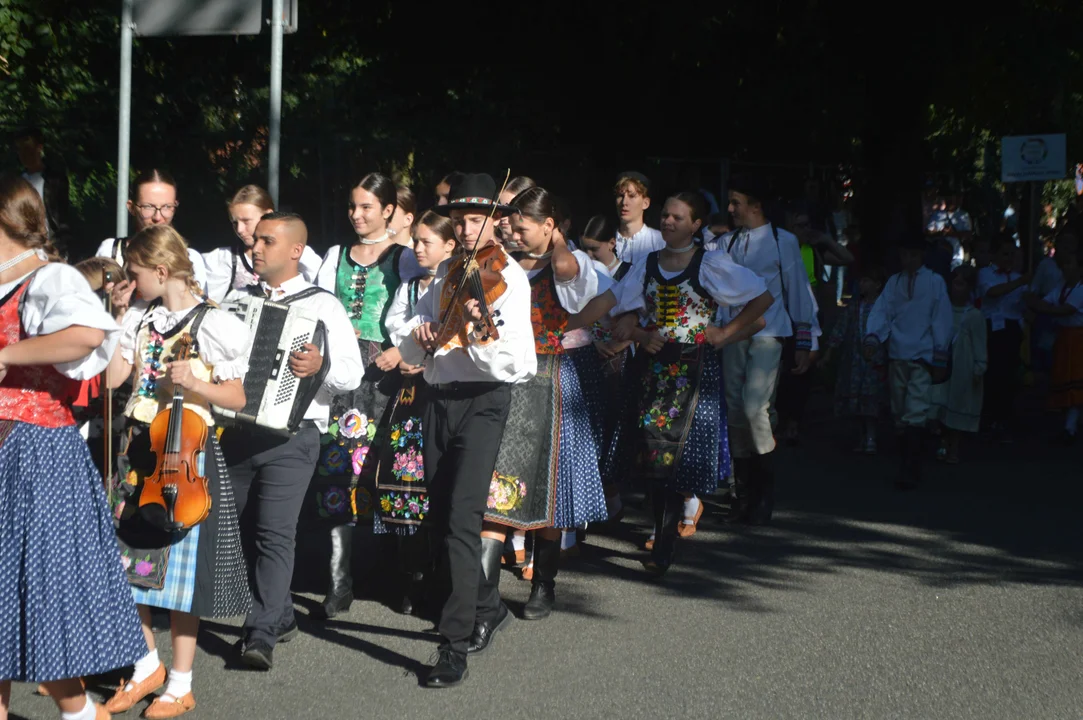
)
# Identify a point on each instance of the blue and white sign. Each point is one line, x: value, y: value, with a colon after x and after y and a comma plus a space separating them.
x: 1028, y: 158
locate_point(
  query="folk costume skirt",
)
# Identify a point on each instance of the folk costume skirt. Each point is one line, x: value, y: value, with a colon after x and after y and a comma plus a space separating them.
x: 402, y: 498
x: 200, y: 570
x: 681, y: 419
x: 580, y: 494
x: 1066, y: 389
x: 65, y: 608
x: 342, y: 487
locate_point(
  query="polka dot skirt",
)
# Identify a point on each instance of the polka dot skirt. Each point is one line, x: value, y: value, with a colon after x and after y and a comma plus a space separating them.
x: 580, y: 498
x: 66, y: 609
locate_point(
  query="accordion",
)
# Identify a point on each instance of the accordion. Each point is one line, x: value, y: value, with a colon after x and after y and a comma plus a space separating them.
x: 276, y: 399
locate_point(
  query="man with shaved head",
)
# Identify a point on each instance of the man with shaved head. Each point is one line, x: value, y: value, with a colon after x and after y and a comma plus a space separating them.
x: 270, y: 473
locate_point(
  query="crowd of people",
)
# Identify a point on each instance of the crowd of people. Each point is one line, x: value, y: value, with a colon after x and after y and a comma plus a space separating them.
x: 485, y: 383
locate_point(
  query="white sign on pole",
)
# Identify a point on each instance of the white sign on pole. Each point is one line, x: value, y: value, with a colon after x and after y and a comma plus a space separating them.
x: 1029, y: 158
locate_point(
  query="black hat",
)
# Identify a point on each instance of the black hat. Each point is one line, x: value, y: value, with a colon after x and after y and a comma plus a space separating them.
x: 636, y: 176
x: 476, y: 191
x: 751, y: 185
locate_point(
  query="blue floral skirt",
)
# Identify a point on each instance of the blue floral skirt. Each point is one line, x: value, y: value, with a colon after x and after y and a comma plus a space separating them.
x: 66, y: 610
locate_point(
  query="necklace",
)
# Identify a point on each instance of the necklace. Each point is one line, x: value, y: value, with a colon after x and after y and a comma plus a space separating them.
x: 543, y: 256
x: 374, y: 241
x: 431, y: 272
x: 680, y: 251
x: 613, y: 265
x: 17, y: 259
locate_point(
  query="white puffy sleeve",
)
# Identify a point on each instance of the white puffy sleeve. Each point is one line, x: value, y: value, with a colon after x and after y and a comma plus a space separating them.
x: 106, y: 250
x: 577, y: 292
x: 310, y: 264
x: 398, y: 311
x: 223, y: 338
x: 199, y: 268
x: 325, y: 276
x: 605, y: 280
x: 425, y: 310
x: 219, y: 267
x: 629, y: 291
x: 129, y: 327
x: 728, y: 283
x: 58, y: 298
x: 882, y: 315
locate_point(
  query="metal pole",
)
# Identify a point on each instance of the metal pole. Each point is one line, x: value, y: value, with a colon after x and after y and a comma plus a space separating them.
x: 274, y: 149
x: 124, y: 119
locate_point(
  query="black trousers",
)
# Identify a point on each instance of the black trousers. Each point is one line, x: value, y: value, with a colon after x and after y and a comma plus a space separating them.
x: 270, y: 476
x: 1002, y: 375
x: 463, y: 426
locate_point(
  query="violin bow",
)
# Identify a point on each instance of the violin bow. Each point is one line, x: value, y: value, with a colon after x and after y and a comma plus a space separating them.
x: 107, y: 396
x: 477, y: 247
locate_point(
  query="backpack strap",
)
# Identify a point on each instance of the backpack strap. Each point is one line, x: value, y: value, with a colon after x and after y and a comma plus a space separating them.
x: 307, y: 292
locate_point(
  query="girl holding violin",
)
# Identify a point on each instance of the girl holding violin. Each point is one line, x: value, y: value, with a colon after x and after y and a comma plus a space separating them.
x: 182, y: 355
x: 402, y: 499
x: 472, y: 333
x: 66, y: 608
x: 364, y: 276
x: 547, y: 474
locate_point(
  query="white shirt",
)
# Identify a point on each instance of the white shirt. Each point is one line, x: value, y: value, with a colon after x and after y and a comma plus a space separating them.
x: 1073, y: 297
x: 782, y: 269
x: 112, y: 249
x: 343, y: 354
x: 914, y: 318
x: 727, y: 282
x: 509, y: 358
x: 574, y: 294
x: 228, y: 264
x: 57, y: 298
x: 328, y: 272
x: 221, y: 337
x: 1047, y: 276
x: 37, y: 180
x: 1006, y: 307
x: 633, y: 249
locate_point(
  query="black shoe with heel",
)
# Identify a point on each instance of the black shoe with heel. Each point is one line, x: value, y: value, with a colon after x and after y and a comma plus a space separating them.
x: 449, y: 669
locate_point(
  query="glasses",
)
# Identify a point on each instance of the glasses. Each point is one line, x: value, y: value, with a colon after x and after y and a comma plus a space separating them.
x: 148, y: 211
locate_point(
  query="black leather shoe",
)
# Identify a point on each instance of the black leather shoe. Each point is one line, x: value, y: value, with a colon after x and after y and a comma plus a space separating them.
x: 257, y: 655
x: 449, y: 670
x: 336, y: 603
x: 288, y: 633
x: 484, y: 631
x: 541, y: 602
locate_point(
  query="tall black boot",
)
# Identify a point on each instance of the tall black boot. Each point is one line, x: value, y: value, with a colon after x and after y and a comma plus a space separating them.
x: 491, y: 552
x: 411, y: 553
x: 340, y: 592
x: 764, y: 482
x: 665, y: 544
x: 542, y: 589
x: 739, y: 504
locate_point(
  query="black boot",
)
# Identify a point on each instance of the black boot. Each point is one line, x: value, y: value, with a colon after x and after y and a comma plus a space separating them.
x: 340, y: 593
x: 491, y: 552
x: 764, y: 495
x: 665, y: 542
x: 739, y: 505
x: 542, y: 593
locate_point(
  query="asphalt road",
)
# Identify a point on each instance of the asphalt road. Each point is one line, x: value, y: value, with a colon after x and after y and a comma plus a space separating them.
x: 963, y: 599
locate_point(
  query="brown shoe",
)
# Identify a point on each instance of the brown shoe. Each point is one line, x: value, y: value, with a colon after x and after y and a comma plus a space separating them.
x: 123, y: 700
x: 688, y: 529
x: 159, y: 709
x: 44, y: 691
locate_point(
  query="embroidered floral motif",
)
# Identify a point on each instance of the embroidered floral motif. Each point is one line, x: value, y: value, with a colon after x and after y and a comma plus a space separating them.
x: 404, y: 505
x: 332, y: 501
x: 549, y: 318
x: 333, y: 460
x: 153, y: 367
x: 668, y: 380
x: 358, y: 458
x: 678, y: 312
x: 506, y: 493
x: 353, y: 424
x: 660, y: 459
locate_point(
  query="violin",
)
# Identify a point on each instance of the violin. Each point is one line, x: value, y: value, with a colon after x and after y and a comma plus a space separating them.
x: 474, y: 275
x: 480, y: 276
x: 178, y: 437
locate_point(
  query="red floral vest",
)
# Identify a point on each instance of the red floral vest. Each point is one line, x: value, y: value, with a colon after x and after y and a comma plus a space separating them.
x: 547, y: 315
x: 34, y: 394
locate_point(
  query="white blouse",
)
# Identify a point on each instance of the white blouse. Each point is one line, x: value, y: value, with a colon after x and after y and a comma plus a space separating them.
x: 222, y: 337
x: 636, y: 248
x: 220, y: 270
x: 328, y: 271
x: 1073, y: 297
x: 398, y: 310
x: 727, y: 282
x: 574, y: 294
x: 913, y: 316
x: 58, y: 298
x: 112, y: 249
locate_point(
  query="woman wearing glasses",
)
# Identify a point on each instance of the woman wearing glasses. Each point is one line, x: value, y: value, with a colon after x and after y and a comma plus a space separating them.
x: 153, y: 202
